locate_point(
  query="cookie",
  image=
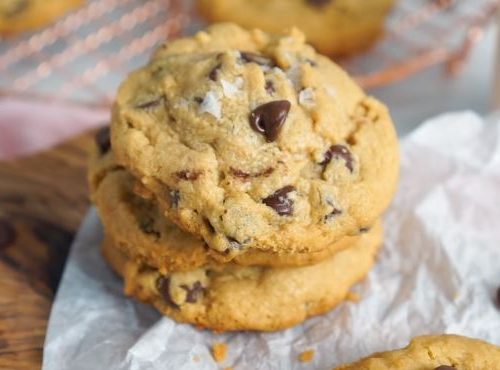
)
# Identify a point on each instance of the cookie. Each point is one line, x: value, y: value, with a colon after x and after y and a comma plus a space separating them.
x: 26, y: 15
x: 255, y: 142
x: 137, y: 227
x: 334, y: 27
x: 229, y: 297
x: 436, y: 352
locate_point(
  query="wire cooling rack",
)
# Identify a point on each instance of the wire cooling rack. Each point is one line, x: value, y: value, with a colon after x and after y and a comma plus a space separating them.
x: 83, y: 57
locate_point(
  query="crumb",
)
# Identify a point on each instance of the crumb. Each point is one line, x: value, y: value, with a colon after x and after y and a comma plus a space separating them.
x: 229, y: 368
x: 219, y: 351
x: 353, y: 297
x: 306, y: 356
x: 196, y: 358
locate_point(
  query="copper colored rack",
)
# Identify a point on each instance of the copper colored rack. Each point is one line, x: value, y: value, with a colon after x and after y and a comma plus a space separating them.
x: 83, y: 56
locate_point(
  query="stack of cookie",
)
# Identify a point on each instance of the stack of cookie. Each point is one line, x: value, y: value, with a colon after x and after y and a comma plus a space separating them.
x: 242, y: 180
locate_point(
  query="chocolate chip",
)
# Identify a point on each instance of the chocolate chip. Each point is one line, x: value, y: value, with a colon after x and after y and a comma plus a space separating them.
x: 198, y: 99
x: 332, y: 214
x: 270, y: 87
x: 215, y: 72
x: 245, y: 175
x: 163, y: 286
x: 268, y: 119
x: 7, y: 234
x: 280, y: 202
x: 151, y: 104
x: 318, y: 2
x: 193, y: 293
x: 259, y: 59
x: 445, y: 367
x: 338, y: 151
x: 174, y: 197
x: 364, y: 230
x: 103, y: 139
x: 188, y: 175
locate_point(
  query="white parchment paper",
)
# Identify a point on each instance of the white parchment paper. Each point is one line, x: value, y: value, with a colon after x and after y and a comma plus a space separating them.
x: 438, y: 272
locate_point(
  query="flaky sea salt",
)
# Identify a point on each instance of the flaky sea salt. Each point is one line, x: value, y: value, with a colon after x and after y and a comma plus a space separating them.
x: 294, y: 74
x: 306, y: 97
x: 229, y: 89
x: 211, y: 104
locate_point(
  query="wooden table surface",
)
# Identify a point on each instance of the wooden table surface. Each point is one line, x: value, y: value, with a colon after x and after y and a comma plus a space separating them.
x: 43, y: 199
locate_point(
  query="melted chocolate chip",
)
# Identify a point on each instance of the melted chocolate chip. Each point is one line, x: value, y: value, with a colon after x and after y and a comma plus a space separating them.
x: 268, y: 119
x: 163, y: 286
x: 215, y: 72
x: 245, y: 175
x: 280, y: 202
x: 103, y: 139
x: 257, y: 58
x: 318, y: 2
x: 332, y: 214
x: 151, y: 104
x: 270, y: 87
x: 174, y: 197
x: 338, y: 151
x: 188, y: 175
x: 445, y: 367
x: 7, y: 234
x: 193, y: 293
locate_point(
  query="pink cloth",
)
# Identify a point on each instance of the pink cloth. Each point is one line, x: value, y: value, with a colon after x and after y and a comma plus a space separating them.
x: 28, y: 126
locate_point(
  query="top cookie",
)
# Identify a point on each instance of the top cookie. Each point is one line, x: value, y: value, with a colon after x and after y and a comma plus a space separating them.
x: 256, y: 141
x: 333, y: 26
x: 438, y: 352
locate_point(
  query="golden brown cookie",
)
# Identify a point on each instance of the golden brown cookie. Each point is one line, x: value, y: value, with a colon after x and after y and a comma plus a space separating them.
x: 255, y: 142
x: 229, y: 297
x: 26, y: 15
x: 333, y: 26
x: 435, y: 352
x: 138, y: 228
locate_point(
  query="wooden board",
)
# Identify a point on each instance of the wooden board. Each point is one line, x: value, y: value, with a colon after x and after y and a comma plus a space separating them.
x: 43, y: 199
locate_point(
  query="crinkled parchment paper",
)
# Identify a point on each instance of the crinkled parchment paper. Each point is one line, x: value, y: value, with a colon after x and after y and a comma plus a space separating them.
x: 438, y: 272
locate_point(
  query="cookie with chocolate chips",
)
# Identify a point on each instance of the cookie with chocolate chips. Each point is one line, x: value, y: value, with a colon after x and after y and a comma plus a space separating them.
x: 230, y: 297
x: 267, y: 145
x: 436, y: 352
x: 334, y: 27
x: 137, y: 227
x: 25, y: 15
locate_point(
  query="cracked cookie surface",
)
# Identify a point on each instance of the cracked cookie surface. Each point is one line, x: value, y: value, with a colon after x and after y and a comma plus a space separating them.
x: 253, y: 141
x: 137, y: 227
x: 229, y: 297
x: 23, y: 15
x: 434, y: 352
x: 333, y: 26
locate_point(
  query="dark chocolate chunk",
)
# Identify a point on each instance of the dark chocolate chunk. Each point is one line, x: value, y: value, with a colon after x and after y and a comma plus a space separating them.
x: 249, y: 57
x: 198, y: 99
x: 163, y: 286
x: 338, y: 151
x: 103, y: 139
x: 174, y: 197
x: 7, y: 234
x: 280, y: 202
x: 270, y: 87
x: 445, y: 367
x: 318, y: 2
x: 215, y: 72
x: 268, y: 119
x: 188, y: 175
x: 332, y: 214
x: 151, y: 103
x: 193, y: 293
